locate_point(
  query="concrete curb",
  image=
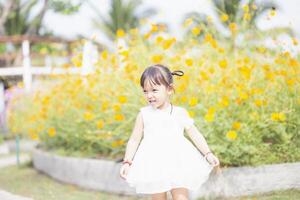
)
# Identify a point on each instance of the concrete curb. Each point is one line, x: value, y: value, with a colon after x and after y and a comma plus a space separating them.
x: 103, y: 175
x: 4, y: 149
x: 25, y: 145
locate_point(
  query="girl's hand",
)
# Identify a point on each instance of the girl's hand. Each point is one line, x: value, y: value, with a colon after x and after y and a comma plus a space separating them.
x: 124, y: 170
x: 212, y: 159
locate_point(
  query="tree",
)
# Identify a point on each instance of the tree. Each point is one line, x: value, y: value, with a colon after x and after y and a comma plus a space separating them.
x: 17, y: 16
x: 241, y: 15
x: 122, y: 15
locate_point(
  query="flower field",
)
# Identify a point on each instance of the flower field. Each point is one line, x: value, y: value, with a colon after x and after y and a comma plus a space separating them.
x: 245, y: 101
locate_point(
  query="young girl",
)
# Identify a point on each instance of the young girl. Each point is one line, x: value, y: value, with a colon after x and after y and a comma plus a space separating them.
x: 164, y: 160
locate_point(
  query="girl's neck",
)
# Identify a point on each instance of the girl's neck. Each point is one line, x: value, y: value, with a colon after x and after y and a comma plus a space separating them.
x: 165, y: 105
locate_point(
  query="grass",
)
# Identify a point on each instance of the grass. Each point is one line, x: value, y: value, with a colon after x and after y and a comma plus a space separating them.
x: 26, y: 181
x: 292, y: 194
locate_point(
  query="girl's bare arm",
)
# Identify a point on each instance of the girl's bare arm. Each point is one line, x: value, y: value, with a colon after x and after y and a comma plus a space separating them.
x: 135, y: 138
x: 198, y: 139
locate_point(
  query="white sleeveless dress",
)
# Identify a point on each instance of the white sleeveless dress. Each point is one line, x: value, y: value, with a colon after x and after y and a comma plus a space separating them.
x: 165, y: 158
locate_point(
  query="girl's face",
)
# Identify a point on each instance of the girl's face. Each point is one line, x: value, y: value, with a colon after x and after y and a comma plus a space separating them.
x: 156, y: 95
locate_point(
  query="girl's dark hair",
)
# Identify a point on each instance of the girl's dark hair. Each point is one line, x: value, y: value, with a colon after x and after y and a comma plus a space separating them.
x: 159, y: 75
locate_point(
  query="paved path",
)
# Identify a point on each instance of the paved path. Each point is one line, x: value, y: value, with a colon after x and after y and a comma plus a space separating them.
x: 8, y: 196
x: 8, y: 161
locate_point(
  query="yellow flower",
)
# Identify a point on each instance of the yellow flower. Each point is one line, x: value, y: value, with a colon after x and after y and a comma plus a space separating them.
x: 246, y: 8
x: 278, y: 116
x: 295, y: 41
x: 51, y: 132
x: 104, y: 55
x: 168, y: 43
x: 236, y: 125
x: 122, y: 99
x: 159, y: 39
x: 211, y: 70
x: 258, y: 102
x: 124, y: 53
x: 66, y: 65
x: 191, y: 113
x: 104, y: 106
x: 224, y: 18
x: 209, y: 117
x: 147, y: 35
x: 196, y: 31
x: 232, y: 135
x: 247, y: 16
x: 254, y: 116
x: 291, y: 82
x: 225, y: 101
x: 208, y: 37
x: 254, y: 7
x: 272, y: 12
x: 157, y: 58
x: 88, y: 116
x: 76, y: 61
x: 204, y: 75
x: 117, y: 143
x: 223, y: 63
x: 184, y: 99
x: 117, y: 107
x: 189, y: 62
x: 193, y: 101
x: 120, y: 33
x: 209, y: 19
x: 233, y: 27
x: 262, y: 49
x: 134, y: 31
x: 221, y: 50
x: 34, y: 136
x: 245, y: 71
x: 243, y: 95
x: 119, y: 117
x: 100, y: 124
x: 188, y: 22
x: 154, y: 28
x: 211, y: 110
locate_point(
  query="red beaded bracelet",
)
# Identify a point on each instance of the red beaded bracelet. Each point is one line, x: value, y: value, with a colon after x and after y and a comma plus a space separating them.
x: 127, y: 161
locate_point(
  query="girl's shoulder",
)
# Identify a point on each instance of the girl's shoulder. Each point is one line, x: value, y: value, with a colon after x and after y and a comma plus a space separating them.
x: 144, y: 108
x: 179, y: 109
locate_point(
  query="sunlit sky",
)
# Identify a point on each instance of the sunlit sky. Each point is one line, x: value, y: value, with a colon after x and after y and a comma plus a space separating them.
x: 169, y: 11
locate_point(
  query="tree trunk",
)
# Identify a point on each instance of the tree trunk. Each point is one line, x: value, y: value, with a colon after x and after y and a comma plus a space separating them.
x: 37, y: 23
x: 7, y: 8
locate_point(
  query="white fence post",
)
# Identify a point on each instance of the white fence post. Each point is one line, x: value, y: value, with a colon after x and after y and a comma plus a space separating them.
x: 27, y: 76
x: 2, y: 109
x: 89, y: 58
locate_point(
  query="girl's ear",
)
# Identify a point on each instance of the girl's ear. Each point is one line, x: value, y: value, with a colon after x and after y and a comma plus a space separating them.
x: 170, y: 88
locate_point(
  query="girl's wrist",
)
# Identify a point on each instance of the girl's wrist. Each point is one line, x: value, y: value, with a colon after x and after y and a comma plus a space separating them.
x: 208, y: 152
x: 129, y: 162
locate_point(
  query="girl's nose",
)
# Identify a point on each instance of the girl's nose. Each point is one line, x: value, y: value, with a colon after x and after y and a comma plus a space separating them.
x: 149, y: 95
